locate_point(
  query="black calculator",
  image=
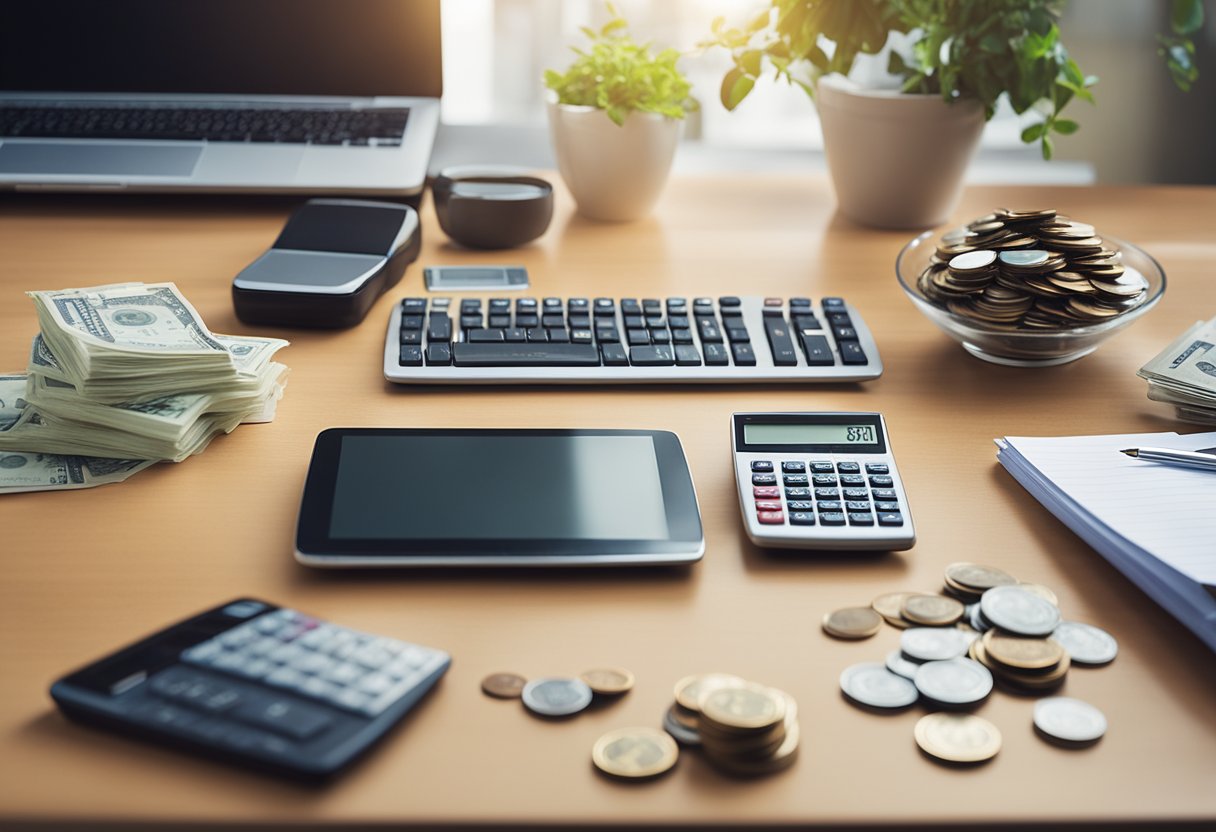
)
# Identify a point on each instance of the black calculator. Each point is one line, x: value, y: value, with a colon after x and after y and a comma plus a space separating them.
x: 256, y: 684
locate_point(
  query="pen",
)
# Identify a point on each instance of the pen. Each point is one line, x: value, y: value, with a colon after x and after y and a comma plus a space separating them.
x: 1166, y: 456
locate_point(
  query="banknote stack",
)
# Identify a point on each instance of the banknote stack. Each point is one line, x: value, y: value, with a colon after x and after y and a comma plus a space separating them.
x: 1030, y: 270
x: 122, y: 376
x: 1184, y: 374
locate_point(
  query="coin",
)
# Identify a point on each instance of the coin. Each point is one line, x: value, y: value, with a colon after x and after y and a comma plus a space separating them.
x: 1043, y: 592
x: 689, y: 689
x: 897, y: 663
x: 957, y: 738
x: 973, y: 260
x: 852, y: 622
x: 888, y: 605
x: 954, y: 681
x: 635, y: 753
x: 933, y: 610
x: 503, y: 685
x: 683, y: 734
x: 611, y: 681
x: 781, y: 758
x: 933, y: 643
x: 747, y: 707
x: 1023, y: 652
x: 556, y: 697
x: 1085, y: 643
x: 1070, y: 720
x: 1013, y: 608
x: 976, y: 577
x: 872, y: 684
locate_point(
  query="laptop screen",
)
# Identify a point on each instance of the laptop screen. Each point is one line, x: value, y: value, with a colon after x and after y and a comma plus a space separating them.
x: 243, y: 47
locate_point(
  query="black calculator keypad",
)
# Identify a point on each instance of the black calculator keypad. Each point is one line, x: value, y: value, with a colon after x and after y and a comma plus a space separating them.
x: 833, y: 494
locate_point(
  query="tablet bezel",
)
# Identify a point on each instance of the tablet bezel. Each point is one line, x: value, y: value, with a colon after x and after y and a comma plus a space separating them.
x: 316, y: 547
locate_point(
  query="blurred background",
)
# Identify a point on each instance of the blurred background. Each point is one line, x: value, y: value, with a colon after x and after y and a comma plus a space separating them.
x: 1143, y: 129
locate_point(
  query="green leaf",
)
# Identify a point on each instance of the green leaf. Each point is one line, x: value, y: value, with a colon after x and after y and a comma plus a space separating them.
x: 1065, y: 127
x: 1034, y: 132
x: 1048, y: 148
x: 750, y: 62
x: 735, y: 87
x: 1186, y: 16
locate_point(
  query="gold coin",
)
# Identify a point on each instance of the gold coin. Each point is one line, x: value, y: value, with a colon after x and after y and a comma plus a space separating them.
x: 1022, y: 652
x: 503, y: 685
x: 1043, y: 592
x: 780, y: 759
x: 957, y: 738
x: 689, y: 689
x: 852, y: 622
x: 889, y: 605
x: 746, y: 707
x: 635, y: 753
x: 684, y: 716
x: 976, y: 577
x: 932, y: 610
x: 1021, y: 680
x: 610, y: 681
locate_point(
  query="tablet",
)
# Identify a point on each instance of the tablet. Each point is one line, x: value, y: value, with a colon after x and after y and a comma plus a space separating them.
x: 497, y: 497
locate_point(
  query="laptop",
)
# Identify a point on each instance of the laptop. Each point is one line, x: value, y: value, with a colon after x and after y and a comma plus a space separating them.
x: 266, y: 96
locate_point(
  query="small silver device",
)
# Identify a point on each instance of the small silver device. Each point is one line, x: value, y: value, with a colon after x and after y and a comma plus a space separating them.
x: 474, y: 278
x: 819, y: 481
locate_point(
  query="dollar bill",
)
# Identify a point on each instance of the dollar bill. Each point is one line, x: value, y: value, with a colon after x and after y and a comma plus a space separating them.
x: 1184, y: 374
x: 21, y: 471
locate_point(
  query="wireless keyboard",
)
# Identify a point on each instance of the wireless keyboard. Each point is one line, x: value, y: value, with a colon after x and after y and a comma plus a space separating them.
x: 577, y: 340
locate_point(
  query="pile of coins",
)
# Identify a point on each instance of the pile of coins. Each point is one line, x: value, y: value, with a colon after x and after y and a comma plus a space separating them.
x: 986, y: 627
x: 559, y: 696
x: 743, y: 728
x: 1030, y: 270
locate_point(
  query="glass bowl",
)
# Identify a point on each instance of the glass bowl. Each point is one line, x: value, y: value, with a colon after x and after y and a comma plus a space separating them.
x: 1025, y: 348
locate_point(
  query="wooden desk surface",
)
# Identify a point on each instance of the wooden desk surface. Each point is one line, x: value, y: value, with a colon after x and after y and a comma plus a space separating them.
x: 87, y: 571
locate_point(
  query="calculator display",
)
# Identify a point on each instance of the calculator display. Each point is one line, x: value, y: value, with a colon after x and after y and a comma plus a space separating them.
x: 804, y: 434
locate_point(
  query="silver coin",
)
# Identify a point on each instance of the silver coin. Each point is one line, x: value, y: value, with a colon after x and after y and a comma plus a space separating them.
x: 930, y: 644
x: 978, y: 622
x: 1018, y: 611
x: 1069, y: 719
x: 681, y: 733
x: 872, y: 684
x: 954, y: 682
x: 1033, y: 257
x: 973, y: 260
x: 1085, y: 643
x: 556, y: 697
x: 901, y: 665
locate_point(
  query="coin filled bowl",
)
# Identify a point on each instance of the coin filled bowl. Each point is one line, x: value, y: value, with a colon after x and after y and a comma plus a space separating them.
x: 1024, y: 341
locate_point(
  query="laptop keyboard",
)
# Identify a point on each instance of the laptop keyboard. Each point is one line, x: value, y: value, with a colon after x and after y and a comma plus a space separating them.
x: 311, y: 125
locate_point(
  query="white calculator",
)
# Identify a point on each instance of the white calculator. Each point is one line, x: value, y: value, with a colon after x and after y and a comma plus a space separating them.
x: 819, y: 481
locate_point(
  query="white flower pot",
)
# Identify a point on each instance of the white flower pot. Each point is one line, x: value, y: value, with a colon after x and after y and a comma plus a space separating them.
x: 614, y: 172
x: 896, y: 160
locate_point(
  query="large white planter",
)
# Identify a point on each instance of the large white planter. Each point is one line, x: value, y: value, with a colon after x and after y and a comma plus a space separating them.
x: 896, y: 160
x: 614, y: 172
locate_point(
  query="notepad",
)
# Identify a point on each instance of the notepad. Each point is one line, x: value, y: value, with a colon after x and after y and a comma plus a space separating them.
x: 1155, y: 523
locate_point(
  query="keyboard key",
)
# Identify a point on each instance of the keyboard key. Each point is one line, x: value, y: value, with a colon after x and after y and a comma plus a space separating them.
x: 816, y: 349
x: 825, y: 481
x: 771, y: 518
x: 877, y: 468
x: 607, y: 335
x: 737, y: 335
x: 829, y: 505
x: 637, y: 337
x: 678, y: 321
x: 800, y: 505
x: 411, y: 336
x: 833, y: 303
x: 580, y: 336
x: 851, y: 353
x: 764, y: 479
x: 681, y: 336
x: 605, y: 307
x: 438, y: 354
x: 800, y: 302
x: 762, y: 466
x: 798, y: 493
x: 558, y: 336
x: 890, y: 518
x: 766, y: 492
x: 517, y: 335
x: 413, y: 306
x: 857, y: 505
x: 804, y: 322
x: 728, y: 301
x: 881, y: 481
x: 470, y: 306
x: 649, y: 304
x: 500, y: 305
x: 537, y: 333
x: 844, y: 333
x: 411, y: 322
x: 578, y: 305
x: 823, y: 467
x: 768, y: 505
x: 614, y: 355
x: 831, y: 518
x: 630, y: 306
x: 687, y: 356
x: 550, y: 304
x: 744, y: 357
x: 856, y: 494
x: 715, y: 354
x: 657, y: 356
x: 708, y: 330
x: 886, y: 507
x: 289, y: 719
x: 411, y: 355
x: 857, y: 518
x: 484, y: 335
x: 655, y: 322
x: 796, y: 480
x: 440, y: 328
x: 525, y: 355
x: 836, y: 319
x: 526, y: 321
x: 499, y: 321
x: 827, y: 494
x: 848, y: 467
x: 675, y: 305
x: 852, y: 480
x: 553, y: 321
x: 662, y: 336
x: 801, y: 518
x: 793, y: 467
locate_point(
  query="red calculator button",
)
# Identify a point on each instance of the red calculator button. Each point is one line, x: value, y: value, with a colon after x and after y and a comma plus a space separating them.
x: 768, y: 505
x: 771, y: 518
x: 766, y: 492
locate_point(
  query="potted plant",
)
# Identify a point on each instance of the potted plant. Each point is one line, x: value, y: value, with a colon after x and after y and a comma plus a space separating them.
x: 897, y: 157
x: 614, y: 117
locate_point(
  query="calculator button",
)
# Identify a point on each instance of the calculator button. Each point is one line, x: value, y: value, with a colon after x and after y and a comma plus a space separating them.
x: 343, y: 673
x: 257, y: 668
x: 768, y: 505
x: 816, y: 349
x: 658, y: 356
x: 238, y: 637
x: 314, y: 663
x: 800, y: 302
x: 744, y: 357
x: 793, y: 467
x: 737, y: 334
x: 881, y: 481
x: 890, y: 518
x: 831, y: 518
x: 716, y: 355
x: 885, y: 494
x: 802, y: 518
x: 830, y: 505
x: 823, y: 468
x: 687, y: 355
x: 827, y: 494
x: 779, y: 341
x: 848, y: 467
x: 286, y: 718
x: 203, y: 654
x: 796, y: 480
x: 614, y: 355
x: 285, y: 677
x: 856, y: 494
x: 797, y: 493
x: 857, y: 518
x: 318, y: 688
x: 412, y: 306
x: 825, y: 480
x: 350, y: 699
x: 729, y: 301
x: 764, y: 479
x: 857, y: 505
x: 884, y: 507
x: 800, y: 505
x: 877, y: 468
x: 762, y: 466
x: 766, y: 492
x: 771, y: 518
x: 852, y: 480
x: 852, y: 353
x: 164, y: 716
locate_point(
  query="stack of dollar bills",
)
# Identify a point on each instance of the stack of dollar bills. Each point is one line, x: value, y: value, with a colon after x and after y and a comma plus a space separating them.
x: 1184, y: 374
x: 123, y: 376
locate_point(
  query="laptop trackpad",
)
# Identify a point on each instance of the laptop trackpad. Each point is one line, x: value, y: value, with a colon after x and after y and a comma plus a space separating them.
x: 97, y: 159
